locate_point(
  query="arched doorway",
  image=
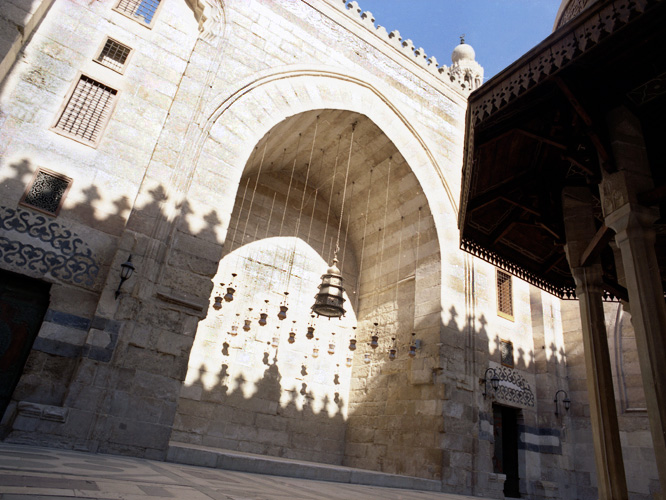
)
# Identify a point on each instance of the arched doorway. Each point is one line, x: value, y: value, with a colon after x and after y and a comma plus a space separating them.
x: 254, y: 390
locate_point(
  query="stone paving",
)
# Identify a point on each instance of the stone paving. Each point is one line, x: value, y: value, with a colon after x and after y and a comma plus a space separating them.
x: 30, y: 472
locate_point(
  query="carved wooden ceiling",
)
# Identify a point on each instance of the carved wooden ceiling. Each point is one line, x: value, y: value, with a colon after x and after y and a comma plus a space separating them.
x: 539, y: 126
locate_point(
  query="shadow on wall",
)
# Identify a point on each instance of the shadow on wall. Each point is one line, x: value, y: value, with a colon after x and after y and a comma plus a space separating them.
x: 262, y: 416
x: 95, y: 355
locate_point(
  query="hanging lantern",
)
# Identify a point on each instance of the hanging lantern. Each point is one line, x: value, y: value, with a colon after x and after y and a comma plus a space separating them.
x: 263, y: 315
x: 292, y: 334
x: 366, y: 358
x: 392, y: 351
x: 229, y: 296
x: 352, y: 341
x: 218, y: 303
x: 283, y: 308
x: 246, y: 326
x: 412, y: 347
x: 311, y: 329
x: 275, y: 341
x: 233, y: 331
x: 374, y: 342
x: 329, y: 300
x: 348, y: 363
x: 315, y: 349
x: 331, y: 345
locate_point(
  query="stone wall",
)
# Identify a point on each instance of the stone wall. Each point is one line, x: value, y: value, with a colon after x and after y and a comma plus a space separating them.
x: 253, y: 390
x: 343, y: 127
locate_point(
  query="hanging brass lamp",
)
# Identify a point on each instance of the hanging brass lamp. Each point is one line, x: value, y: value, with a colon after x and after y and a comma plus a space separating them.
x: 374, y: 342
x: 393, y: 351
x: 263, y: 315
x: 246, y: 326
x: 352, y: 341
x: 292, y: 334
x: 311, y: 329
x: 234, y: 328
x: 329, y: 300
x: 283, y: 308
x: 229, y: 296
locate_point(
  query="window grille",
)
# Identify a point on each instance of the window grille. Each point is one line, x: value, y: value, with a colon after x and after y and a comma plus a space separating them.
x: 114, y: 55
x: 87, y: 110
x: 504, y: 295
x: 46, y: 193
x: 506, y: 353
x: 141, y: 10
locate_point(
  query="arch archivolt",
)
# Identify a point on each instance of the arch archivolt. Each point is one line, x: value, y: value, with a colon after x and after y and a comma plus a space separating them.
x: 242, y: 118
x: 260, y: 368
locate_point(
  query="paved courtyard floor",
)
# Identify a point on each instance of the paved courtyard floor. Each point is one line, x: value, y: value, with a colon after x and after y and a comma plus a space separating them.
x: 29, y: 472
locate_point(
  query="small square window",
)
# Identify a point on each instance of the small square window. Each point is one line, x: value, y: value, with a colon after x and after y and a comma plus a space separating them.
x: 114, y: 55
x: 46, y: 192
x: 142, y: 11
x: 504, y: 295
x: 506, y: 353
x: 87, y: 111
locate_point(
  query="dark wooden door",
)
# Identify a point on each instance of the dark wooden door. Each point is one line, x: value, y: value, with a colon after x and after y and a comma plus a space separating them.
x: 23, y: 303
x: 505, y: 460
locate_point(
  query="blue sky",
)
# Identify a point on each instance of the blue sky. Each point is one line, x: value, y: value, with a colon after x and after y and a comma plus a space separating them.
x: 499, y: 30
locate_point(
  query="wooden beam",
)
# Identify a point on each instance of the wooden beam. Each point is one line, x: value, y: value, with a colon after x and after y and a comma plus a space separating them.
x: 598, y: 243
x: 541, y: 139
x: 587, y: 119
x: 653, y: 196
x: 550, y: 230
x: 552, y: 261
x: 520, y: 205
x: 578, y: 164
x: 499, y: 191
x: 504, y: 226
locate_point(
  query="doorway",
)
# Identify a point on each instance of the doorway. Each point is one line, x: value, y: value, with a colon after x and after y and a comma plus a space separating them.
x: 505, y: 460
x: 23, y: 304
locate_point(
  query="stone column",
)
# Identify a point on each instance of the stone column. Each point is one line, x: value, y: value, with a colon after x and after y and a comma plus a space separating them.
x: 635, y: 237
x: 579, y: 228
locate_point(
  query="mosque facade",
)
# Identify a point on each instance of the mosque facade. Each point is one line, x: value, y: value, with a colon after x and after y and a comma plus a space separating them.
x: 182, y: 183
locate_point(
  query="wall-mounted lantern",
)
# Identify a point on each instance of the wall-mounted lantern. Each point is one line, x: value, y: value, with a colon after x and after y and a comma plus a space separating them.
x: 126, y: 271
x: 494, y: 381
x: 566, y: 401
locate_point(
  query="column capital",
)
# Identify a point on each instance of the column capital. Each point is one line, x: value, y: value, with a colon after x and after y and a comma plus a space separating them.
x: 588, y: 279
x: 632, y: 219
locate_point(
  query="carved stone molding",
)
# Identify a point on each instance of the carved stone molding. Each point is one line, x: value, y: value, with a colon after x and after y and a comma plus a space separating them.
x: 40, y: 246
x: 513, y: 388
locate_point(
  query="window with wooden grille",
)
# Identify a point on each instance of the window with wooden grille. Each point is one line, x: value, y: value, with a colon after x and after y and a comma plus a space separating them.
x: 506, y: 353
x: 46, y: 192
x: 114, y: 55
x: 142, y: 11
x: 504, y: 295
x: 87, y: 111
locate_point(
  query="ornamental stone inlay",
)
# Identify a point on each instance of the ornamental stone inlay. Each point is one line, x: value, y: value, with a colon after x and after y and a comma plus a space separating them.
x: 41, y: 245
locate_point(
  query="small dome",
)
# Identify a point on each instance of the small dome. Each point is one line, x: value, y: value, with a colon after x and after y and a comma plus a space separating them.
x: 463, y: 52
x: 333, y: 269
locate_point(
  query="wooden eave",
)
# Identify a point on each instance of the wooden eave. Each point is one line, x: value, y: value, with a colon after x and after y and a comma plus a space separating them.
x: 539, y: 126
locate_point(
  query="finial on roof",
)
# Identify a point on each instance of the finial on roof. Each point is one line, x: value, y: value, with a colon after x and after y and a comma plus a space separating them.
x: 462, y: 38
